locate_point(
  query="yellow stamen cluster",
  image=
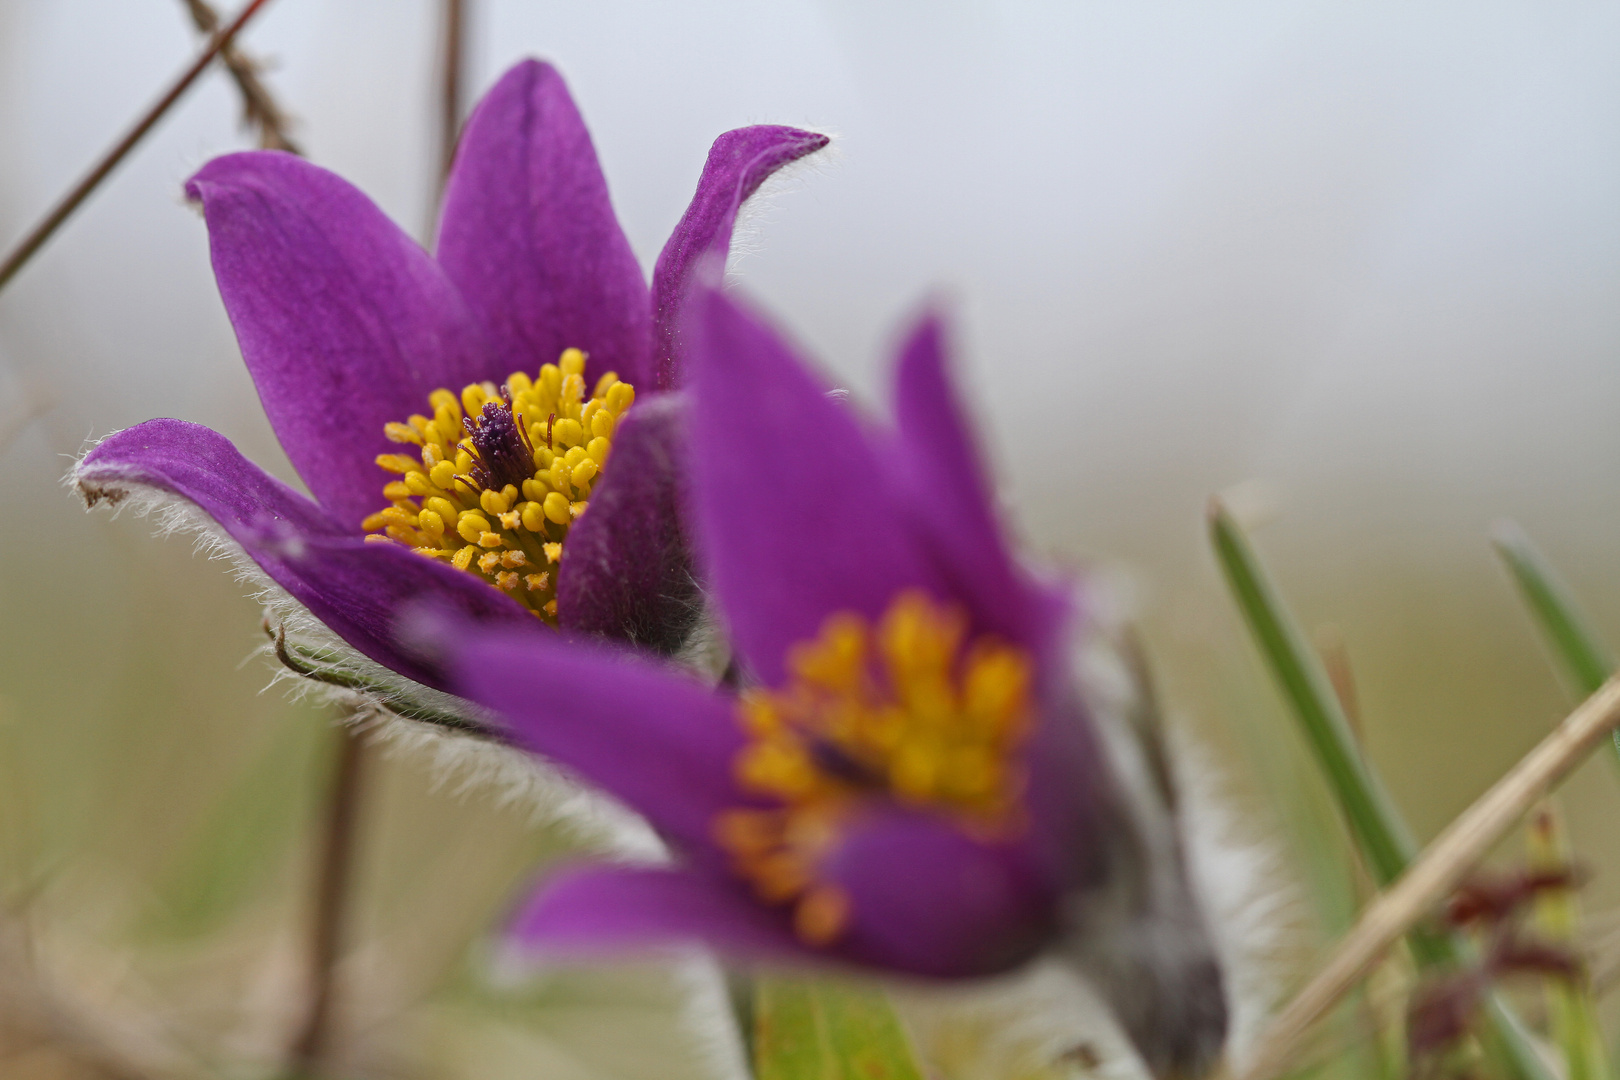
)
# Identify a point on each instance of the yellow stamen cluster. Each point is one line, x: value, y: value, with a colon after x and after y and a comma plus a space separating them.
x: 452, y: 504
x: 910, y: 711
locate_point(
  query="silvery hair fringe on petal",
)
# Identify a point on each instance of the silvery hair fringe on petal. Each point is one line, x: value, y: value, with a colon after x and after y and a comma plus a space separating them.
x: 1061, y: 1013
x: 1235, y: 876
x: 466, y: 762
x: 470, y: 763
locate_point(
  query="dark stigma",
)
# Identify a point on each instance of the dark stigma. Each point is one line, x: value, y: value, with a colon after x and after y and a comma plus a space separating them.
x: 500, y: 448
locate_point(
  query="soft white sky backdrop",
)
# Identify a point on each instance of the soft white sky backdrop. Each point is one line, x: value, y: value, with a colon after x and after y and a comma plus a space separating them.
x: 1368, y: 252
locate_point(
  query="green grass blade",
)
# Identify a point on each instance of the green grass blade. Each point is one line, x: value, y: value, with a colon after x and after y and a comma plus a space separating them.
x: 1585, y: 660
x: 1376, y: 826
x: 821, y: 1030
x: 1571, y: 1012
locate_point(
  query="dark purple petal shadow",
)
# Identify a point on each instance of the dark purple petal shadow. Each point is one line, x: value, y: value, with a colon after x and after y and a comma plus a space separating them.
x: 627, y: 569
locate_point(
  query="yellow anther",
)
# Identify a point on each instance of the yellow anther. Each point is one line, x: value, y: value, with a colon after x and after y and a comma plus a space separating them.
x: 619, y: 397
x: 912, y: 709
x: 495, y: 503
x: 441, y: 508
x: 444, y: 399
x: 549, y: 383
x: 556, y: 508
x: 568, y: 433
x: 557, y: 476
x: 822, y: 915
x: 377, y: 537
x: 397, y: 463
x: 444, y: 475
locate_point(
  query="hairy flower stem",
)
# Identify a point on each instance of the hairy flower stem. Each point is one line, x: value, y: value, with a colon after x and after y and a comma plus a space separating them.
x: 64, y: 209
x: 344, y: 797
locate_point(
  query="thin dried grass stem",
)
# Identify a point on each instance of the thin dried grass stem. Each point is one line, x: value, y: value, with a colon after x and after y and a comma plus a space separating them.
x: 64, y: 208
x: 260, y: 110
x: 1437, y: 871
x: 335, y: 874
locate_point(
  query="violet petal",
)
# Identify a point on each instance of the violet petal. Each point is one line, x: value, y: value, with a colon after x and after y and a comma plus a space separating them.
x: 627, y: 572
x: 793, y: 513
x: 597, y: 909
x: 937, y: 460
x: 929, y: 900
x: 651, y: 737
x: 530, y: 237
x: 739, y: 162
x: 354, y: 587
x: 345, y: 323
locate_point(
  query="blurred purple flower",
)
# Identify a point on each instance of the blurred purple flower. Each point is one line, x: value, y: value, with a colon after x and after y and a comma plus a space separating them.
x: 350, y: 329
x: 907, y: 779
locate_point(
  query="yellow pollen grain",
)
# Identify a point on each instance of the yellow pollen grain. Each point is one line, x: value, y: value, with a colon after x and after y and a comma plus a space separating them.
x: 438, y: 507
x: 822, y: 915
x: 910, y: 710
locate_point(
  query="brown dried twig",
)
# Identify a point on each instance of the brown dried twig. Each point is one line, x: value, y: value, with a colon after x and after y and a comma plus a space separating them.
x: 260, y: 109
x: 25, y: 250
x: 1435, y: 874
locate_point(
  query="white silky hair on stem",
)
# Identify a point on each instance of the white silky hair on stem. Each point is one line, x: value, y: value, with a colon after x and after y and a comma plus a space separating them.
x: 469, y: 765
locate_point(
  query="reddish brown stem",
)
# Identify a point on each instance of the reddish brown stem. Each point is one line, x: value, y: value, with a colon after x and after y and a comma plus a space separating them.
x: 81, y: 191
x: 452, y: 87
x: 311, y: 1047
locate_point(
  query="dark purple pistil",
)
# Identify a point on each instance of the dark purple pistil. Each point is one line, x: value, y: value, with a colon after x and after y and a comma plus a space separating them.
x: 838, y: 763
x: 500, y: 447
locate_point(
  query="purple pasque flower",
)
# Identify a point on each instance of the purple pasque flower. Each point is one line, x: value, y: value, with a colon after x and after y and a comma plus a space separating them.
x: 906, y: 779
x: 460, y: 405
